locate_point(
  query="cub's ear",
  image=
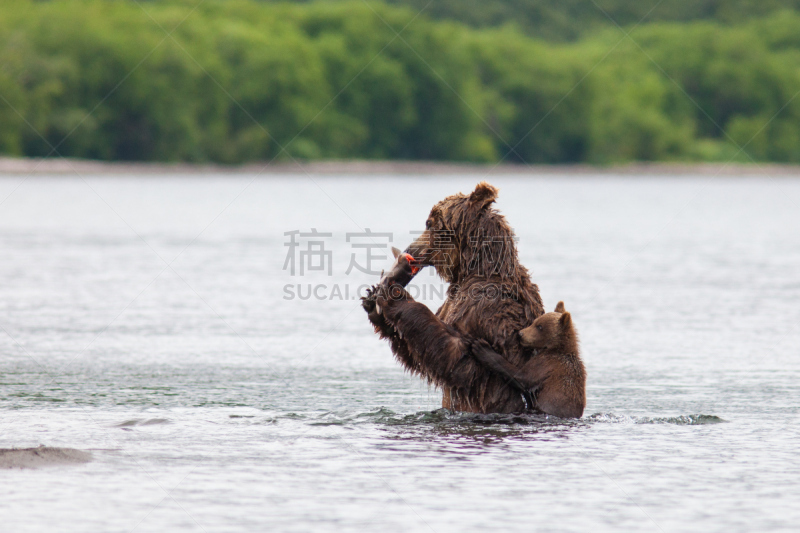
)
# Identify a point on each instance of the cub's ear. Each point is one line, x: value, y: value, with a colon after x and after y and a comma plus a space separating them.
x: 559, y: 308
x: 395, y: 252
x: 565, y: 321
x: 483, y: 195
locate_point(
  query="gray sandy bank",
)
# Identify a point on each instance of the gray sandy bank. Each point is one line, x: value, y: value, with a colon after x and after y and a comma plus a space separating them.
x: 79, y: 167
x: 41, y: 457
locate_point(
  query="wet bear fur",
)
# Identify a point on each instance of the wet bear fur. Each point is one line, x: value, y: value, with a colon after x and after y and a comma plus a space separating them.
x: 554, y: 374
x: 490, y: 298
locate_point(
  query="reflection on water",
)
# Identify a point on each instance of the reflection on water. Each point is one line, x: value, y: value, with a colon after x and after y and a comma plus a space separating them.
x: 488, y: 428
x: 147, y: 323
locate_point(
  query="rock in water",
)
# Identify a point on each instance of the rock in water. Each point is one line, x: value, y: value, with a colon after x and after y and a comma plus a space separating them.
x: 41, y: 456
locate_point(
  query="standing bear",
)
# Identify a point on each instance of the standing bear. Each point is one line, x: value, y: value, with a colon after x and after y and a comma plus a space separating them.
x: 490, y: 297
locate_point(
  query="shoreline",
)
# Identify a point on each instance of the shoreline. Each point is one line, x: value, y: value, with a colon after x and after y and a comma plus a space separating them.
x: 55, y: 166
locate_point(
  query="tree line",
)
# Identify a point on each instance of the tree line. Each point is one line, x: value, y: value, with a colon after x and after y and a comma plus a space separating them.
x: 240, y: 80
x: 567, y: 20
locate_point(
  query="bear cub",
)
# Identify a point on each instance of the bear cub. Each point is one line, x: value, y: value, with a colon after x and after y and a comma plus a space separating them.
x: 553, y: 377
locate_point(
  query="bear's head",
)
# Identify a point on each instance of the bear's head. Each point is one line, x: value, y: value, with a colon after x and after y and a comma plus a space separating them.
x: 551, y: 331
x: 465, y: 236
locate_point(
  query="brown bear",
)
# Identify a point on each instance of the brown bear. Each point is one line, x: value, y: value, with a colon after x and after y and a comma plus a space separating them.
x: 490, y: 297
x: 554, y: 375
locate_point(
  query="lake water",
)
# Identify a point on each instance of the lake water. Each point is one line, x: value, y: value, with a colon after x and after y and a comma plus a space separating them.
x: 151, y: 321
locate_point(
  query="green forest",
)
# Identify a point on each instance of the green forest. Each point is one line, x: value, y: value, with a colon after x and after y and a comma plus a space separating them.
x: 531, y: 81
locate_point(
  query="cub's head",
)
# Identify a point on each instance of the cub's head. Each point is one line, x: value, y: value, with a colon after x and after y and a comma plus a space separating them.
x: 459, y: 232
x: 551, y: 331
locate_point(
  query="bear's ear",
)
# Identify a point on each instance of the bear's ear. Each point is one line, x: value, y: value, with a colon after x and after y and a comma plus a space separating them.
x: 483, y: 195
x: 395, y: 252
x: 560, y: 308
x: 565, y: 321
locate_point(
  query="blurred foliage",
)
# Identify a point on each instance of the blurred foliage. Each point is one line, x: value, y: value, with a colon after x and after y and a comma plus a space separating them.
x: 242, y: 80
x: 567, y: 20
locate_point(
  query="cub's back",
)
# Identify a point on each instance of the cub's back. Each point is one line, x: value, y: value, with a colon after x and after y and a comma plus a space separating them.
x: 563, y: 392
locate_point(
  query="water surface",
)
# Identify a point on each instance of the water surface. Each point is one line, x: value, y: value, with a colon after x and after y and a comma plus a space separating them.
x: 144, y: 319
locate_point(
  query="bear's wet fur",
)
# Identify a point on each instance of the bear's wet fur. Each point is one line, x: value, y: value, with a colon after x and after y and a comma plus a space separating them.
x: 554, y: 374
x: 491, y: 297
